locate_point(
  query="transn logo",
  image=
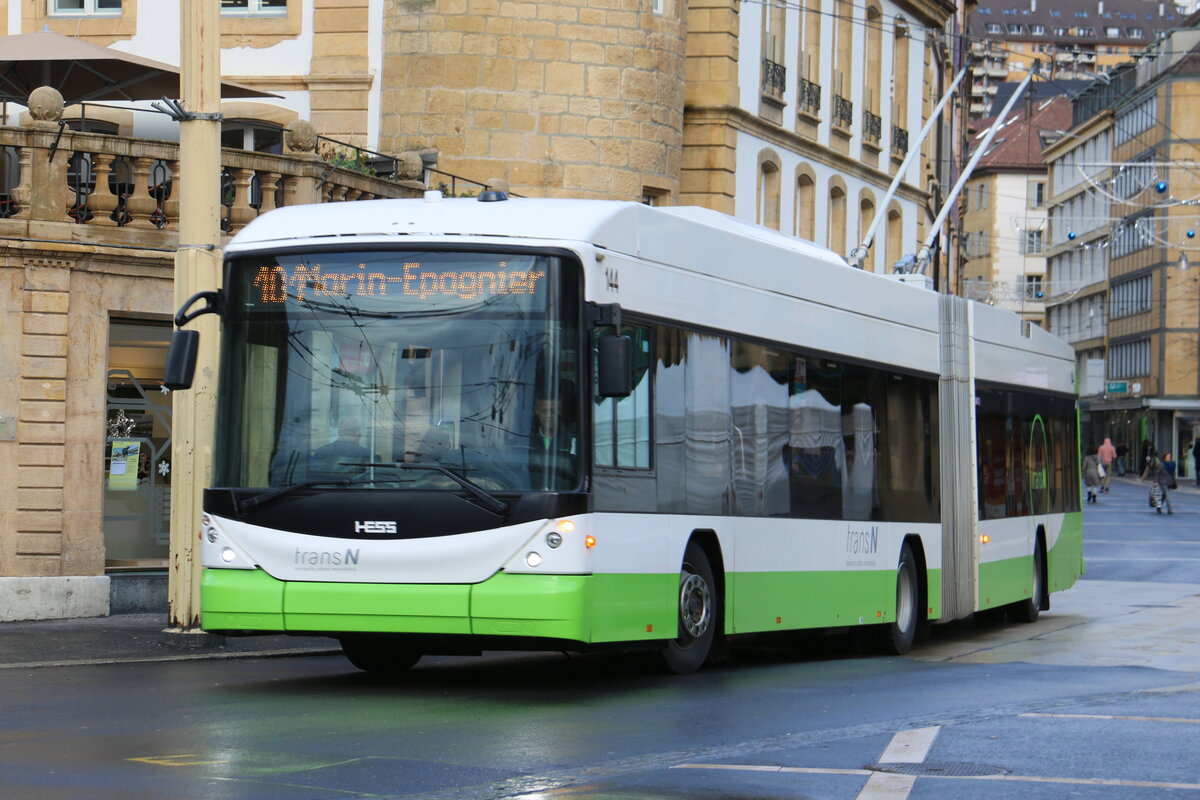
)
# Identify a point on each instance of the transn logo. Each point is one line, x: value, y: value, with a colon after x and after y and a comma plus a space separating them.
x: 374, y: 526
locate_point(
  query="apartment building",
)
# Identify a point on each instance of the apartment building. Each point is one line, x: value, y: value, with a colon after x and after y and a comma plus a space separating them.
x: 1124, y: 228
x: 1004, y: 224
x: 1066, y: 39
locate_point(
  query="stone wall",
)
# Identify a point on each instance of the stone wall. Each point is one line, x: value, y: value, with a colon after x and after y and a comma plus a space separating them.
x: 561, y: 98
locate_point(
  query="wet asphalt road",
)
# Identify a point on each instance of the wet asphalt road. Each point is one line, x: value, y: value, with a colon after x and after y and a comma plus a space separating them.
x: 1099, y: 699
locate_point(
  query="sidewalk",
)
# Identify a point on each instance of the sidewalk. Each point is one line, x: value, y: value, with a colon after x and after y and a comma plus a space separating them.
x: 135, y: 637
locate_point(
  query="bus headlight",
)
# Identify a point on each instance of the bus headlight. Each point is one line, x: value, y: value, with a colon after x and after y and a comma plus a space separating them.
x: 533, y: 558
x: 228, y: 555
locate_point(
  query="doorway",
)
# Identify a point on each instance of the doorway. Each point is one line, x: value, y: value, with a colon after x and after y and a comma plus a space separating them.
x: 137, y: 467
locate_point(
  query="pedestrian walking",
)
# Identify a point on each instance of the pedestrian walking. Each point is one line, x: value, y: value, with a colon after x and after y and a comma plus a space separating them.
x: 1162, y: 480
x: 1091, y: 474
x: 1122, y: 458
x: 1196, y: 459
x: 1108, y: 454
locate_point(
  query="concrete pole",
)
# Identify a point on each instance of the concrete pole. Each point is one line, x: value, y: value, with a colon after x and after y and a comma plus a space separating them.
x: 197, y: 268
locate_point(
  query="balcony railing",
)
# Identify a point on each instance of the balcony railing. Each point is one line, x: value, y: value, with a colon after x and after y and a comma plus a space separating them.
x: 843, y: 112
x: 872, y: 127
x: 774, y: 79
x: 809, y: 96
x: 899, y: 140
x: 49, y: 173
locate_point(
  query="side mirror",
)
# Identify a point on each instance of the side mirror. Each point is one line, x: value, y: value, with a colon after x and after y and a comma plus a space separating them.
x: 614, y: 374
x: 181, y: 360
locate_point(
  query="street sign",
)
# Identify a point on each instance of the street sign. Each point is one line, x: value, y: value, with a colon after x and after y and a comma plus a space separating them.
x: 1117, y: 386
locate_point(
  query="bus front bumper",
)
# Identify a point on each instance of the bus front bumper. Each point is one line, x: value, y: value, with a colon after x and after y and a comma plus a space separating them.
x: 577, y: 608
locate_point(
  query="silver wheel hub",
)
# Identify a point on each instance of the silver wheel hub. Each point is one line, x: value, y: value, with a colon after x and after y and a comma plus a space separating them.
x: 695, y: 605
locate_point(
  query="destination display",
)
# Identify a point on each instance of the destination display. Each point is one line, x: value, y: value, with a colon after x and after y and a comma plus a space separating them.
x: 275, y: 283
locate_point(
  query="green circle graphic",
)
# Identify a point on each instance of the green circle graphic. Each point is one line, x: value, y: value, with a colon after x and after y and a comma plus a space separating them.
x: 1037, y: 461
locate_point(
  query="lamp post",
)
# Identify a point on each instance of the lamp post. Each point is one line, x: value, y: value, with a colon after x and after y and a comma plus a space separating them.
x: 197, y: 268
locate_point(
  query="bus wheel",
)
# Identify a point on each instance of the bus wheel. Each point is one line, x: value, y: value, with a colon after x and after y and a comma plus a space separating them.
x: 378, y: 655
x: 1027, y: 610
x: 896, y: 638
x: 697, y: 614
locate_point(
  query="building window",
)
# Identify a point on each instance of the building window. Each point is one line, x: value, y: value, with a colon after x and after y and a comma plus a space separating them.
x: 76, y: 7
x: 1112, y: 33
x: 259, y: 7
x: 768, y: 194
x: 1134, y: 33
x: 1130, y: 297
x: 1037, y: 30
x: 654, y: 197
x: 1014, y: 28
x: 806, y: 207
x: 1129, y: 360
x: 1031, y: 243
x: 994, y: 28
x: 837, y: 219
x: 1037, y: 194
x: 1033, y: 287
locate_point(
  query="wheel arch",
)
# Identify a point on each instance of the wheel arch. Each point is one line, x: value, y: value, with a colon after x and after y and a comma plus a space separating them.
x: 917, y: 547
x: 1039, y: 543
x: 711, y: 544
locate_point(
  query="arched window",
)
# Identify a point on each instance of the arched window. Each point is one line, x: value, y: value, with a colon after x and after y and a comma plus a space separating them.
x: 894, y: 249
x: 837, y: 217
x: 768, y: 190
x: 866, y: 215
x: 806, y: 204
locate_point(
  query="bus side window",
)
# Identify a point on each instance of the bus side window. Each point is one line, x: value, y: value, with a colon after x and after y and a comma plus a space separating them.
x: 622, y: 435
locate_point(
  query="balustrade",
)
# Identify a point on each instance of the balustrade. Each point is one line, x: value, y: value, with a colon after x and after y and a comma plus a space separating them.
x: 843, y: 112
x: 872, y: 127
x: 116, y: 182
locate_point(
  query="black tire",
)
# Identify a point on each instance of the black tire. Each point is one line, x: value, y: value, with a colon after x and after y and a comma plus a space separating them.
x: 698, y: 606
x: 1027, y: 610
x: 379, y: 655
x: 896, y: 637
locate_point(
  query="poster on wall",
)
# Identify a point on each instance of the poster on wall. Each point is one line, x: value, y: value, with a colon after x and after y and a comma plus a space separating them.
x: 123, y: 466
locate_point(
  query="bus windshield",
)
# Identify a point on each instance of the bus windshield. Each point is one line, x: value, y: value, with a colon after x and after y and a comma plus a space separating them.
x: 338, y: 365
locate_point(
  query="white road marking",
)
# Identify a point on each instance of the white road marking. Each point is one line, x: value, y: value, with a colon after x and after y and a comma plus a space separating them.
x: 910, y: 747
x: 1115, y: 716
x: 1016, y: 778
x: 887, y: 786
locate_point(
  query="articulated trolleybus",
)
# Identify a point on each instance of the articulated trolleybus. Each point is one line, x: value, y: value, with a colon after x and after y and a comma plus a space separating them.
x: 449, y: 425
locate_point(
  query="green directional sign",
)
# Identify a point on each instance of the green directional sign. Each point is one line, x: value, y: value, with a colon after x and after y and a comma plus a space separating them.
x: 1117, y: 386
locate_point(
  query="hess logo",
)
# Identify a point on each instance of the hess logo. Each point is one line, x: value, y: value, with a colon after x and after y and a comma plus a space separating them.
x: 375, y: 526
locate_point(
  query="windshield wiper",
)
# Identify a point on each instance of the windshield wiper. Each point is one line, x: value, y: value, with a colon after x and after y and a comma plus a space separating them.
x: 490, y: 501
x: 251, y: 503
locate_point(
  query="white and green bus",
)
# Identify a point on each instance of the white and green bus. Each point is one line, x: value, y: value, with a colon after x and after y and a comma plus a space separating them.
x: 449, y: 425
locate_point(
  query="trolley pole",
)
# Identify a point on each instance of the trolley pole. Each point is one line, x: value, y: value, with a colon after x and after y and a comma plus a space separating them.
x: 197, y: 268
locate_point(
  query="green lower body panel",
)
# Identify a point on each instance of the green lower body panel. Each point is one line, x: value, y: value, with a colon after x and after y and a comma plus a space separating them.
x: 579, y: 608
x: 1065, y: 559
x: 1004, y: 582
x: 768, y: 601
x: 1011, y: 580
